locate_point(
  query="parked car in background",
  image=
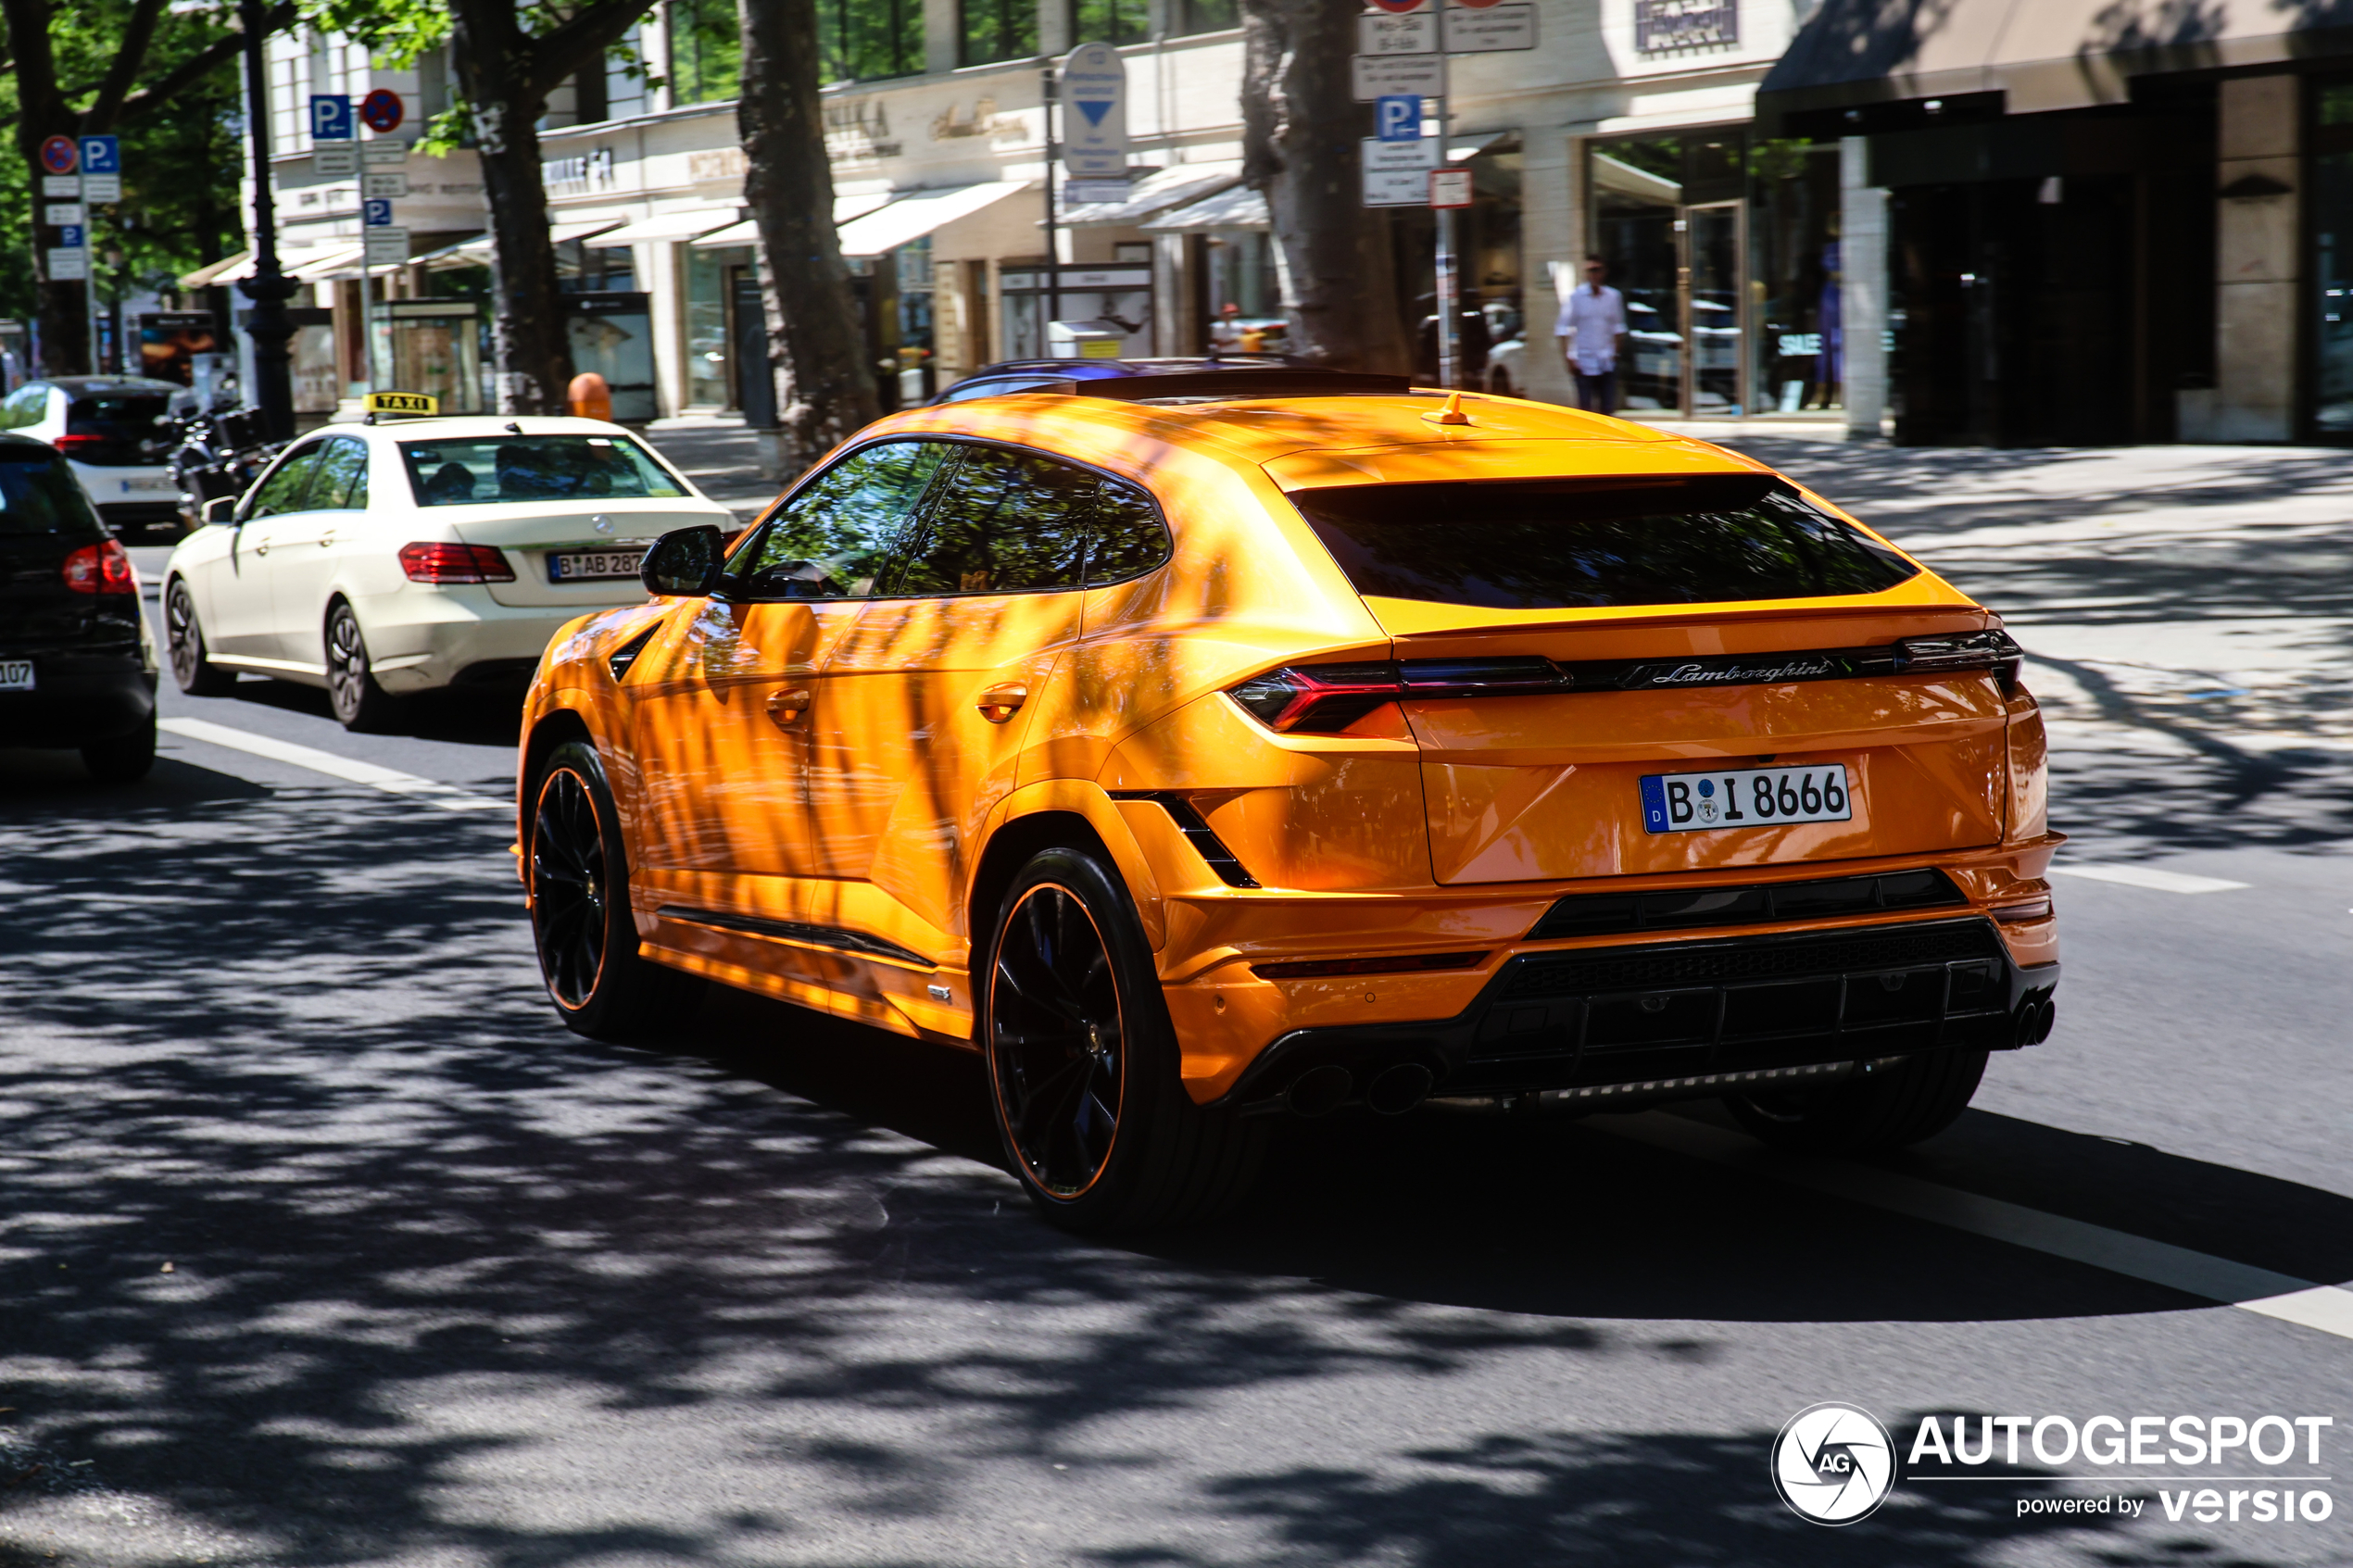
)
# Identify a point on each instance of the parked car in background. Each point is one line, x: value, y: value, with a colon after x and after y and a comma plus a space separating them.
x: 381, y: 560
x: 117, y: 433
x: 76, y: 660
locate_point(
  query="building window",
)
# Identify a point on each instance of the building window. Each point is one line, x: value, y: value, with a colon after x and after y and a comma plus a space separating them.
x: 626, y: 79
x: 868, y: 40
x: 1109, y: 21
x: 997, y: 29
x: 1204, y: 15
x: 706, y: 52
x: 1661, y: 26
x: 709, y: 385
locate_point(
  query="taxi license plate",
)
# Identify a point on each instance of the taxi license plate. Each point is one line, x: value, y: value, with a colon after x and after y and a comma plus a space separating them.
x: 593, y: 566
x: 1745, y: 798
x: 16, y: 674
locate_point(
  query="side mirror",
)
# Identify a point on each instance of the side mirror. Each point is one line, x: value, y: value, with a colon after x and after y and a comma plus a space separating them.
x: 684, y: 561
x: 221, y: 510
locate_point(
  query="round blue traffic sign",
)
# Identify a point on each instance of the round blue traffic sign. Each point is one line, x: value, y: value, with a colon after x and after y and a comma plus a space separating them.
x: 383, y: 111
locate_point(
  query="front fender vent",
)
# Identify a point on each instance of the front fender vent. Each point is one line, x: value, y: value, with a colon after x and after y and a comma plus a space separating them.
x: 626, y: 654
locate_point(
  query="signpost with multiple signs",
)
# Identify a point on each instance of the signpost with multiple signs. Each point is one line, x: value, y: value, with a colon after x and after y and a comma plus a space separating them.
x: 335, y: 137
x: 1402, y: 49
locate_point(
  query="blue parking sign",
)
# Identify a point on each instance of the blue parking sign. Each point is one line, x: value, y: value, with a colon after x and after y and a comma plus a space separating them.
x: 331, y: 117
x: 1397, y: 117
x: 378, y: 213
x: 72, y: 236
x: 101, y: 155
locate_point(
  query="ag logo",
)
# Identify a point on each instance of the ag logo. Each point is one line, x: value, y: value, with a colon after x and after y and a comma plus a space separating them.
x: 1833, y: 1463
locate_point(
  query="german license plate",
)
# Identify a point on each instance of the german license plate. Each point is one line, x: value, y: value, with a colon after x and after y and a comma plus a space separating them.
x: 150, y: 487
x: 1745, y: 798
x: 16, y: 674
x: 593, y: 566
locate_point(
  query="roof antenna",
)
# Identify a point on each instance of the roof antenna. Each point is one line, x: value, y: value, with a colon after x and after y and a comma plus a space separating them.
x: 1452, y: 413
x: 517, y: 428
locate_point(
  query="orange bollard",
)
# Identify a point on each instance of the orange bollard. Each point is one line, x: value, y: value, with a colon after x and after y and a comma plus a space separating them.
x: 589, y: 396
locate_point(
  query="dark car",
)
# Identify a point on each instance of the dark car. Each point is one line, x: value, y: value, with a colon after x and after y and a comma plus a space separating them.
x: 1028, y: 375
x: 77, y: 662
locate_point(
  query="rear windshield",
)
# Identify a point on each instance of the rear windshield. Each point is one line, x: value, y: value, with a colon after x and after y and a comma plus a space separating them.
x: 534, y: 467
x: 1581, y: 544
x: 39, y: 495
x: 117, y: 429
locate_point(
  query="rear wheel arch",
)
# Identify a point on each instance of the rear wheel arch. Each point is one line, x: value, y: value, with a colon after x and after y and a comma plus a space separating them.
x: 1010, y: 848
x: 1084, y: 810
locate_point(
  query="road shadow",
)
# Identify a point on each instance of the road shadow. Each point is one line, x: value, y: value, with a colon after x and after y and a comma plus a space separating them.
x: 425, y: 1245
x: 488, y: 716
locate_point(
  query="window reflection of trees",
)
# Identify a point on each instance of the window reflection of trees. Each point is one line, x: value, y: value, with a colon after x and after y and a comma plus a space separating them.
x: 1542, y: 546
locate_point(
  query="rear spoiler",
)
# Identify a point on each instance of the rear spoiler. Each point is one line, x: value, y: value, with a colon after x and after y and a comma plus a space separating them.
x: 1274, y: 381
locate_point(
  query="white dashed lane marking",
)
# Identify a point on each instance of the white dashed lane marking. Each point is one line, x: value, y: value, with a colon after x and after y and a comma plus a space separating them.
x: 2325, y: 1307
x: 450, y: 797
x: 2148, y: 876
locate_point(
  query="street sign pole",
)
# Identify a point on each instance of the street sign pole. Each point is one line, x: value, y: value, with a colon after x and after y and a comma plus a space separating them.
x: 267, y: 324
x: 1449, y: 322
x: 1048, y: 80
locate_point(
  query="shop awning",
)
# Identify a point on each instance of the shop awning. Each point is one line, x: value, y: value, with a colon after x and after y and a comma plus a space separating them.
x: 1156, y: 193
x: 325, y: 263
x: 228, y: 269
x: 1239, y: 207
x: 2048, y: 55
x: 747, y: 231
x: 919, y: 212
x: 475, y: 249
x: 690, y: 224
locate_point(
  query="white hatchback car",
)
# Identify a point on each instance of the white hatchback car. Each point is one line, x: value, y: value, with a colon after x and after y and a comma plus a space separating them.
x: 384, y: 559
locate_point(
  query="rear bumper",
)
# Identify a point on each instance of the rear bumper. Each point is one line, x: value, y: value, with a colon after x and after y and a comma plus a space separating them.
x: 1658, y: 1020
x: 421, y: 637
x: 81, y: 697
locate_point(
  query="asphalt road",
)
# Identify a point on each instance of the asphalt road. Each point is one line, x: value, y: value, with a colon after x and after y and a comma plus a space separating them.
x: 322, y: 1243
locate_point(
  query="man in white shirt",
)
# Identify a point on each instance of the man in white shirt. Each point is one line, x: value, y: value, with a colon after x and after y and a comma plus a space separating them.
x: 1591, y: 331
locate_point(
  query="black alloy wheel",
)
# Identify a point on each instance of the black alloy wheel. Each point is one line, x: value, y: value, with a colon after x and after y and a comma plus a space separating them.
x: 581, y: 924
x: 359, y: 703
x: 1057, y: 1041
x: 570, y: 885
x: 1085, y: 1072
x: 196, y: 674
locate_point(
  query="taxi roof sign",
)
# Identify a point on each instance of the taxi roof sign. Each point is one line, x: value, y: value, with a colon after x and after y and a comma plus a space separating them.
x: 409, y: 402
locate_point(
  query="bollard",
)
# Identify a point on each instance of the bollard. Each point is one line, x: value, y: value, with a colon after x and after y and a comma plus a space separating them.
x: 589, y: 396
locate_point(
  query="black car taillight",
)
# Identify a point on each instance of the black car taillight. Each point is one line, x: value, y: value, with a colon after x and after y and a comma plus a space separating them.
x: 455, y: 563
x: 1968, y: 650
x: 101, y: 569
x: 1324, y: 698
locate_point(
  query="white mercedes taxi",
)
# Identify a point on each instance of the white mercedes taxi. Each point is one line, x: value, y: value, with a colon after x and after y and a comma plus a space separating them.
x: 404, y: 555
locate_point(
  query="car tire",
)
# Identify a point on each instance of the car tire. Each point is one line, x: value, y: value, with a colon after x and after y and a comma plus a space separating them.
x: 191, y: 665
x: 124, y: 758
x: 1901, y: 1103
x: 360, y: 705
x: 1082, y: 1062
x: 581, y: 924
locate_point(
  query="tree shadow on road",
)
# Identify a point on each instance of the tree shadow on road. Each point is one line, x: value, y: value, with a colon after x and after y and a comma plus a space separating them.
x: 449, y: 1284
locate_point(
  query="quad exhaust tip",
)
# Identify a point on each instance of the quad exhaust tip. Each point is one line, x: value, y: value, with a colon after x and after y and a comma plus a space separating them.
x: 1392, y: 1091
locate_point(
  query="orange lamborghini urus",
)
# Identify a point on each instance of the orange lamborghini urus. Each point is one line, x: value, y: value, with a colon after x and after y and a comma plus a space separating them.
x: 1210, y: 747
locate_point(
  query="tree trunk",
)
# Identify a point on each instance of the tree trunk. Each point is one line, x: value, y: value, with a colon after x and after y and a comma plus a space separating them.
x: 825, y: 388
x: 1301, y: 125
x: 60, y: 308
x: 531, y: 353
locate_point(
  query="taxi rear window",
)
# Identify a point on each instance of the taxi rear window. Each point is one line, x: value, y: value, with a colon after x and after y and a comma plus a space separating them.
x: 471, y: 470
x: 1582, y: 544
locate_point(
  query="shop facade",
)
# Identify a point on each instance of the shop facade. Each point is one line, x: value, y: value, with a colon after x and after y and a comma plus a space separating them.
x: 2123, y: 222
x: 1626, y: 131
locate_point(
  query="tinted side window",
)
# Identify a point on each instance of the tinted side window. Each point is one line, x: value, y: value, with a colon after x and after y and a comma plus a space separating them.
x: 341, y: 484
x: 281, y: 492
x: 832, y: 539
x: 25, y: 405
x: 38, y: 495
x: 1004, y: 522
x: 1129, y: 537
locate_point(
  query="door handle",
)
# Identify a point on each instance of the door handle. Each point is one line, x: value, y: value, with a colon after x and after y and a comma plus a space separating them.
x: 326, y: 541
x: 262, y: 548
x: 785, y: 709
x: 1000, y: 703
